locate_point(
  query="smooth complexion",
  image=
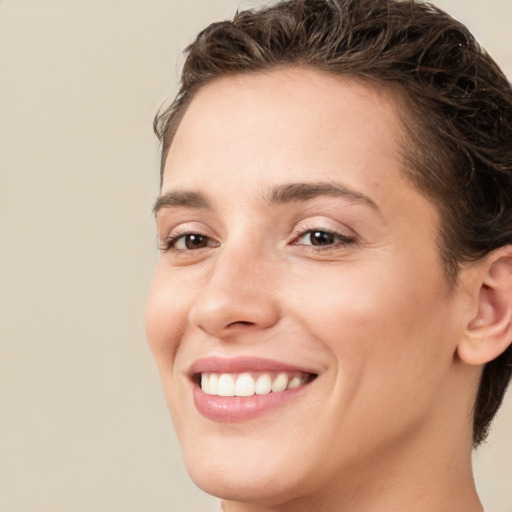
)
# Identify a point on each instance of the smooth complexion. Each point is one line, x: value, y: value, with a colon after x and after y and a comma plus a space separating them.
x: 290, y: 233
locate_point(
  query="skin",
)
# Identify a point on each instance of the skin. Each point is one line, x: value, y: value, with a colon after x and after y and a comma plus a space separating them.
x: 386, y: 424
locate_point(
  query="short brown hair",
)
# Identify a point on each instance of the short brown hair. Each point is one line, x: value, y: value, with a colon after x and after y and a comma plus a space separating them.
x: 458, y: 116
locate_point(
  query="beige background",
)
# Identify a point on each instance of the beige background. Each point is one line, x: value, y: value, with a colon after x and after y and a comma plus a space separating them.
x: 83, y: 425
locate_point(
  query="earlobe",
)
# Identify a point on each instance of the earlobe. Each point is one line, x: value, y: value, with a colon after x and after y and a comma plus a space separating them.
x: 489, y: 332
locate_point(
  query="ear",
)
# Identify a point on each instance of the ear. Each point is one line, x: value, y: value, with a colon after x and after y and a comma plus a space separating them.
x: 489, y: 331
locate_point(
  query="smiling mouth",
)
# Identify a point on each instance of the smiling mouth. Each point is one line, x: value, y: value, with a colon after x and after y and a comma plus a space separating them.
x: 249, y: 384
x: 239, y: 389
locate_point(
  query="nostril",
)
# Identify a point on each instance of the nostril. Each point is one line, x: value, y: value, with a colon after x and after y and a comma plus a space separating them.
x: 241, y: 322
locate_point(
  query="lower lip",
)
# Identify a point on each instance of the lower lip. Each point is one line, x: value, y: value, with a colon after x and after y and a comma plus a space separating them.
x: 241, y: 408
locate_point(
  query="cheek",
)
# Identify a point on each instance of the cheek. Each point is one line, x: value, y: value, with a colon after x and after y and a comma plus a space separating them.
x: 376, y: 319
x: 388, y: 339
x: 166, y: 315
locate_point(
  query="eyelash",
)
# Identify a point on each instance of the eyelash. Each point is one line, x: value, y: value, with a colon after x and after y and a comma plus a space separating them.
x: 339, y: 240
x: 169, y: 244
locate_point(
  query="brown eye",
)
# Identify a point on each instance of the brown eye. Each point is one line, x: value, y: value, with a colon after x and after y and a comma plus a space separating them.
x: 189, y: 242
x: 194, y: 241
x: 321, y: 238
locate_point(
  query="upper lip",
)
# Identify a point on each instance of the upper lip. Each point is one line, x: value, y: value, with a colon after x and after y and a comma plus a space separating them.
x: 243, y: 364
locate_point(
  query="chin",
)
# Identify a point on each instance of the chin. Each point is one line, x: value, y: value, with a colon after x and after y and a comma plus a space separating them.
x: 269, y: 489
x: 253, y: 474
x: 231, y: 487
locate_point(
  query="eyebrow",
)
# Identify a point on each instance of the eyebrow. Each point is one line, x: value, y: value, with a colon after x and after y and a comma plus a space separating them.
x: 280, y: 194
x: 292, y: 192
x: 181, y: 198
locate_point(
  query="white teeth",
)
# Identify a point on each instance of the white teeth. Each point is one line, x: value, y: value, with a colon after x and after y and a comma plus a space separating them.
x: 226, y: 385
x: 263, y: 384
x: 244, y: 384
x: 205, y: 383
x: 280, y: 383
x: 295, y: 382
x: 213, y: 384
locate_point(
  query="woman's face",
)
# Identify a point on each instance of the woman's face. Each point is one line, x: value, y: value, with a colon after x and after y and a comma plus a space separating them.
x: 296, y: 255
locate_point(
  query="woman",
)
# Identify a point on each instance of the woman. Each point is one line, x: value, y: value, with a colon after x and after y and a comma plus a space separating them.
x: 331, y: 312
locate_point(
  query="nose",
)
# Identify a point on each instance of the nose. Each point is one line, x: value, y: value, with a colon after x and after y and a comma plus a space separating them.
x: 237, y: 297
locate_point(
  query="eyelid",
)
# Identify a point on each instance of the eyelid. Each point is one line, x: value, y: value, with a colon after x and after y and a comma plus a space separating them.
x: 172, y: 241
x: 341, y: 238
x: 182, y: 230
x: 322, y: 224
x: 345, y: 236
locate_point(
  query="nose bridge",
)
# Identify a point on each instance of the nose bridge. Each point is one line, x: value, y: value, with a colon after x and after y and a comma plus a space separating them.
x: 237, y: 293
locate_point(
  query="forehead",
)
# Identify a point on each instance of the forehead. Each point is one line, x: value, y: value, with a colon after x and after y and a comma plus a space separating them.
x: 290, y: 124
